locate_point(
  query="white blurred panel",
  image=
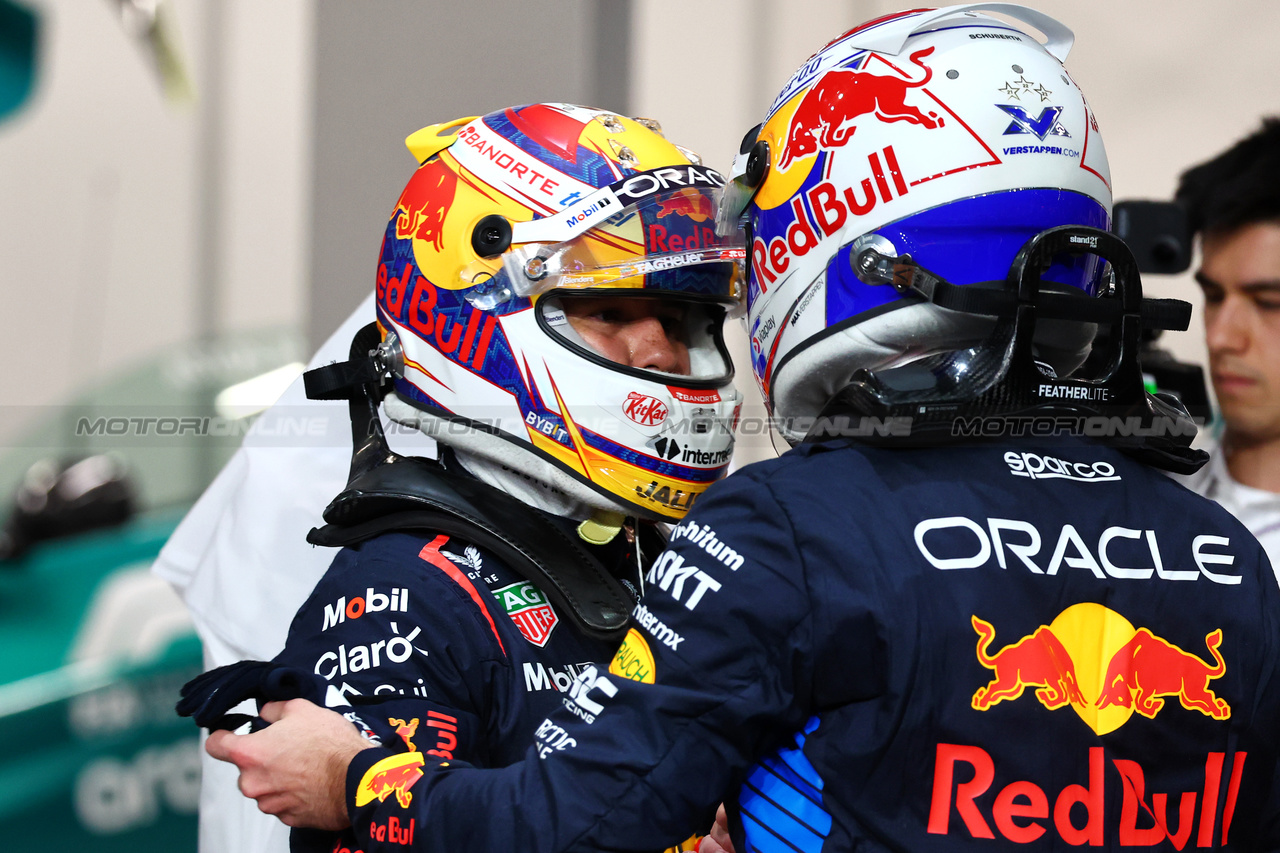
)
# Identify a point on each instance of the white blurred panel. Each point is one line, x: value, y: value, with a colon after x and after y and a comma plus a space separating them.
x: 96, y: 193
x: 101, y: 188
x: 268, y: 125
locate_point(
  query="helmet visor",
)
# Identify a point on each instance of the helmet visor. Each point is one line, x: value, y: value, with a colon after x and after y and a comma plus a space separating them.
x: 664, y: 338
x: 655, y: 231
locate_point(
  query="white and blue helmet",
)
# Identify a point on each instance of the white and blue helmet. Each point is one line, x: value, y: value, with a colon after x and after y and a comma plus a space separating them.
x: 946, y: 136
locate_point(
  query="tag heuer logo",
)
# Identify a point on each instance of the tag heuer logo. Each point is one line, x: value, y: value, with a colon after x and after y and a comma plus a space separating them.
x: 528, y: 608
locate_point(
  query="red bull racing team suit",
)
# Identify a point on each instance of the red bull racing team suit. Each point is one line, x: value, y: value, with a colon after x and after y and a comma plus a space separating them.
x: 940, y: 649
x: 413, y: 615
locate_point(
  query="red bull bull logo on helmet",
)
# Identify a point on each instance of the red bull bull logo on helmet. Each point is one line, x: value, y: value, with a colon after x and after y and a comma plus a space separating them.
x: 828, y: 114
x: 420, y: 213
x: 821, y: 211
x: 1093, y: 659
x: 687, y: 202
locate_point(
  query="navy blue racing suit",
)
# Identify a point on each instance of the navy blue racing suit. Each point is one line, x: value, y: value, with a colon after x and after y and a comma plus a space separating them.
x: 943, y: 649
x: 406, y: 617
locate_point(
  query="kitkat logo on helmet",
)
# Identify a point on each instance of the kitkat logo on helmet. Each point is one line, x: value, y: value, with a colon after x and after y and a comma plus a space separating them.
x: 644, y: 410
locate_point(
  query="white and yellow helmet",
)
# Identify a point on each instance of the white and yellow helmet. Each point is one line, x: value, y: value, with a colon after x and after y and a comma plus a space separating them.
x: 509, y: 217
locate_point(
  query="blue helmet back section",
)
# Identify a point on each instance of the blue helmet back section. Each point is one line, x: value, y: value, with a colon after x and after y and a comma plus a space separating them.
x: 971, y: 240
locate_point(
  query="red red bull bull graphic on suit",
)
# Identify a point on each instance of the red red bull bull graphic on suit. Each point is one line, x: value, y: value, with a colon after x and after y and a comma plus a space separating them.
x: 406, y: 731
x: 1039, y: 661
x: 393, y: 775
x: 1093, y: 659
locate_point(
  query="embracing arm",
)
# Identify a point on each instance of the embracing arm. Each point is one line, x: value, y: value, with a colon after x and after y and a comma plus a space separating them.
x: 637, y: 756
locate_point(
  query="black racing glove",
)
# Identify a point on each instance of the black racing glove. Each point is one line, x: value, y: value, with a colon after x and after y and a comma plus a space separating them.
x: 209, y: 696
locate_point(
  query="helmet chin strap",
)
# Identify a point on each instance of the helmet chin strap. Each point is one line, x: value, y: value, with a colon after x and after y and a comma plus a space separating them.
x: 492, y: 460
x: 599, y: 526
x: 600, y: 521
x: 503, y: 465
x: 523, y: 487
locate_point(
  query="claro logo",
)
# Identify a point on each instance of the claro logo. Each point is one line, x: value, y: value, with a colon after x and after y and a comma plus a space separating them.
x: 1039, y: 467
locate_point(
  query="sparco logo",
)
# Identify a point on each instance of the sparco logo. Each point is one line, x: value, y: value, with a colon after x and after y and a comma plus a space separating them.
x: 644, y: 410
x: 1039, y: 467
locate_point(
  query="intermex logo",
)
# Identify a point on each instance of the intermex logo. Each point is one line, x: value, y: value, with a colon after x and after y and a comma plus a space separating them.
x: 1037, y: 467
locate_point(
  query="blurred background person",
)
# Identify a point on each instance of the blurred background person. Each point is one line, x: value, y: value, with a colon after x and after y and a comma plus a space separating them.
x: 1233, y: 206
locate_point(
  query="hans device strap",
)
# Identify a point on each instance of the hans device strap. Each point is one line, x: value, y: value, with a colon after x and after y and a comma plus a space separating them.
x: 1000, y: 389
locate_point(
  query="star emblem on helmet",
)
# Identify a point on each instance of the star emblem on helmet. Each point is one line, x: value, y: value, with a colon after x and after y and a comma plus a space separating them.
x: 1011, y: 91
